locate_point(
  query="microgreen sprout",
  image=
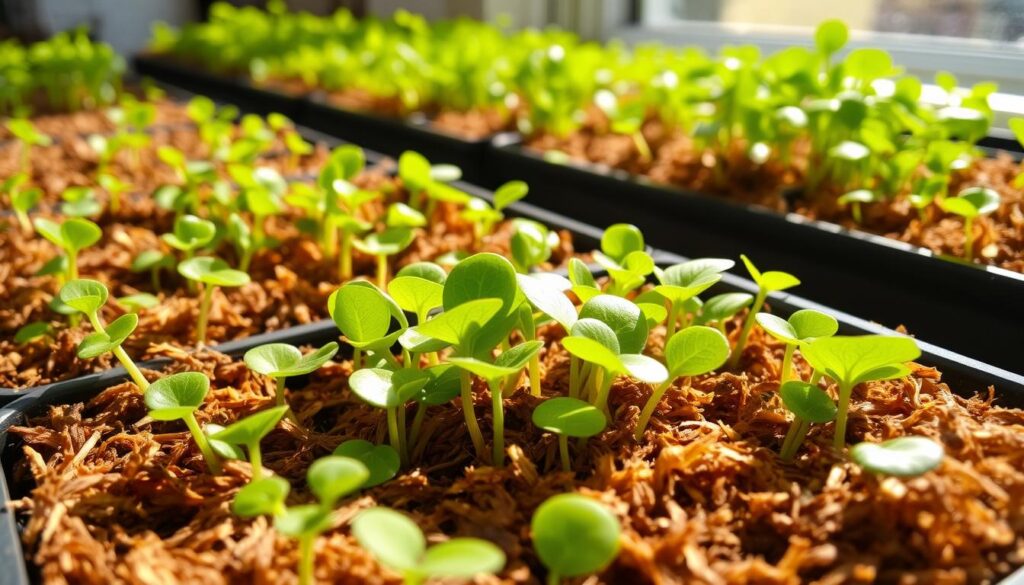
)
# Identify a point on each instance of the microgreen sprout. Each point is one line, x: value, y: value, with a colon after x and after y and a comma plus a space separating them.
x: 398, y: 544
x: 152, y: 261
x: 190, y: 234
x: 767, y: 282
x: 212, y: 273
x: 971, y: 204
x: 281, y: 361
x: 803, y: 326
x: 89, y: 296
x: 531, y: 244
x: 382, y: 461
x: 249, y: 431
x: 32, y: 331
x: 901, y: 457
x: 138, y: 301
x: 71, y: 236
x: 720, y: 308
x: 80, y: 202
x: 623, y: 255
x: 363, y: 314
x: 114, y: 188
x: 27, y: 136
x: 22, y: 199
x: 693, y: 351
x: 568, y: 417
x: 380, y: 245
x: 809, y: 404
x: 177, y: 397
x: 390, y: 390
x: 853, y: 360
x: 683, y: 282
x: 574, y: 536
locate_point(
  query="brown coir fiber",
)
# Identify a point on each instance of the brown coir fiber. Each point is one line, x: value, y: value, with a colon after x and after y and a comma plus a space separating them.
x: 108, y: 495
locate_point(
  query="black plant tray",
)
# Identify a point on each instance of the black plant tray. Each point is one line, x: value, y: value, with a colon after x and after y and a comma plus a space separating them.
x: 971, y: 309
x: 966, y: 375
x: 393, y: 136
x: 222, y: 87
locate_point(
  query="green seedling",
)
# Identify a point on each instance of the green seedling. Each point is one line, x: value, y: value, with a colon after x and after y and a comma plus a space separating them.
x: 849, y: 361
x: 720, y: 308
x: 900, y: 457
x: 22, y: 199
x: 212, y: 273
x: 693, y: 351
x: 71, y: 236
x: 248, y: 432
x: 545, y: 293
x: 330, y: 478
x: 177, y: 397
x: 623, y: 254
x: 114, y: 188
x: 27, y: 136
x: 281, y: 361
x: 400, y: 215
x: 767, y: 282
x: 80, y: 202
x: 508, y: 365
x: 683, y: 282
x: 574, y: 536
x: 382, y: 461
x: 418, y: 294
x: 364, y: 315
x: 380, y: 245
x: 190, y: 234
x: 89, y: 296
x: 803, y: 326
x: 398, y: 544
x: 568, y: 417
x: 626, y: 118
x: 32, y: 331
x: 138, y: 302
x: 152, y: 261
x: 263, y: 191
x: 390, y: 390
x: 809, y: 404
x: 193, y: 175
x: 971, y: 204
x: 531, y: 244
x: 582, y: 280
x: 856, y: 199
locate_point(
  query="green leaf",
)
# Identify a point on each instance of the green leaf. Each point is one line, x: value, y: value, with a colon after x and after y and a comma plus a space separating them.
x: 31, y: 332
x: 386, y: 388
x: 24, y: 201
x: 972, y: 202
x: 415, y: 294
x: 172, y: 397
x: 771, y: 281
x: 299, y: 521
x: 461, y: 323
x: 382, y: 461
x: 334, y: 477
x: 100, y: 342
x: 859, y: 196
x: 425, y: 270
x: 400, y: 215
x: 831, y: 36
x: 850, y: 151
x: 281, y: 360
x: 868, y: 64
x: 807, y: 401
x: 621, y: 239
x: 723, y: 306
x: 644, y: 368
x: 138, y: 301
x: 391, y: 537
x: 212, y: 271
x: 414, y: 170
x: 73, y: 235
x: 517, y: 356
x: 594, y: 352
x: 803, y: 325
x: 386, y: 243
x: 225, y: 450
x: 696, y: 350
x: 509, y: 193
x: 264, y: 496
x: 84, y: 295
x: 150, y: 259
x: 570, y: 417
x: 623, y: 317
x: 580, y: 275
x: 252, y: 428
x: 575, y: 535
x: 445, y: 173
x: 548, y: 299
x: 597, y: 331
x: 901, y: 457
x: 852, y: 360
x: 363, y: 314
x: 462, y: 558
x: 190, y: 233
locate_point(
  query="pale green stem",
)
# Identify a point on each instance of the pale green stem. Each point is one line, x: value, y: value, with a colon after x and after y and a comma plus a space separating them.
x: 563, y: 452
x: 574, y: 376
x: 554, y: 578
x: 534, y: 369
x: 131, y: 368
x: 602, y: 393
x: 204, y: 313
x: 417, y: 422
x: 797, y: 440
x: 402, y: 434
x: 969, y: 238
x: 673, y: 320
x: 306, y: 558
x: 470, y: 414
x: 357, y: 359
x: 748, y: 324
x: 382, y: 271
x: 212, y: 461
x: 845, y: 389
x: 393, y: 434
x: 787, y: 363
x: 255, y: 460
x: 794, y: 426
x: 641, y: 146
x: 498, y: 416
x: 345, y: 258
x: 650, y: 407
x: 279, y: 396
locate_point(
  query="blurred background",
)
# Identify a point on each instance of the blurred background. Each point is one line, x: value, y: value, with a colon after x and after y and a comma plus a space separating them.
x: 974, y: 39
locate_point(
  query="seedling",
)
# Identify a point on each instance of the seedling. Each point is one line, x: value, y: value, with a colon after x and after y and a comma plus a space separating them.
x: 27, y: 136
x: 623, y: 255
x: 626, y: 118
x: 364, y: 314
x: 390, y: 390
x: 853, y: 360
x: 971, y: 204
x: 417, y: 294
x: 177, y: 397
x: 380, y: 245
x: 803, y: 326
x: 153, y: 261
x: 720, y: 308
x: 682, y: 282
x: 71, y: 236
x: 809, y: 404
x: 381, y: 461
x: 856, y: 199
x: 137, y: 302
x: 568, y: 417
x: 281, y: 361
x: 89, y: 296
x: 190, y: 234
x: 249, y: 431
x: 767, y: 282
x: 693, y: 351
x: 398, y: 544
x: 114, y: 188
x: 80, y: 202
x: 901, y: 457
x: 22, y: 199
x: 508, y: 364
x: 531, y: 244
x: 32, y: 331
x: 574, y: 536
x: 545, y: 293
x: 213, y: 273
